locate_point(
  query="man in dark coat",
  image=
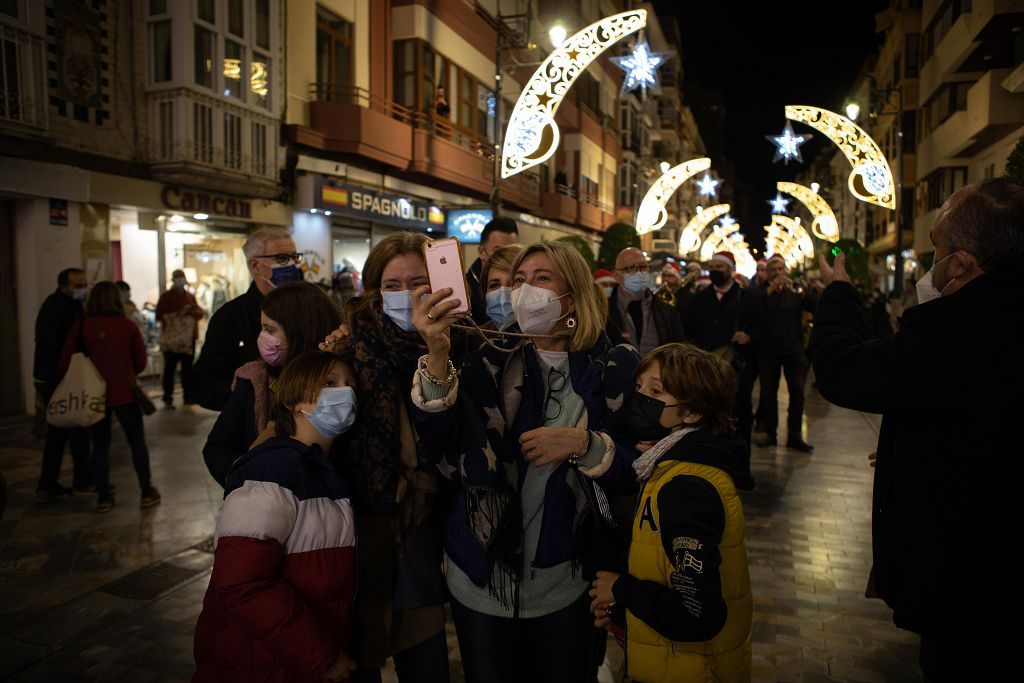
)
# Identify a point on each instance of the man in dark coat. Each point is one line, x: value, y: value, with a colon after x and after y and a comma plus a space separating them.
x: 635, y: 315
x: 58, y: 313
x: 948, y: 386
x: 779, y: 339
x: 231, y: 336
x: 720, y: 319
x: 497, y: 233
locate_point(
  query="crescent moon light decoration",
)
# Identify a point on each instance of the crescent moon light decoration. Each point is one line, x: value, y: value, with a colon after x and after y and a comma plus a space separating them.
x: 791, y: 237
x: 689, y: 241
x: 532, y: 134
x: 825, y: 224
x: 870, y: 180
x: 718, y: 236
x: 652, y: 214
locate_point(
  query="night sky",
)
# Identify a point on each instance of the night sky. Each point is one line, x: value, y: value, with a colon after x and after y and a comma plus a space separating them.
x: 763, y: 56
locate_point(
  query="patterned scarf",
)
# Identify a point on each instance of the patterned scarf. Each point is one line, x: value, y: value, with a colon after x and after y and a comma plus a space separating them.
x: 383, y: 358
x: 645, y: 464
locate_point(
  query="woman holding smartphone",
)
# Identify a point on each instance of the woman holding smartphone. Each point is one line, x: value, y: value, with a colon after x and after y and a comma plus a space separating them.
x: 520, y: 431
x: 400, y: 602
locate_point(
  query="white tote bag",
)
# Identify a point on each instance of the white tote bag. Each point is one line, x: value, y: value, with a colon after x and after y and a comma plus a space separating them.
x: 81, y: 397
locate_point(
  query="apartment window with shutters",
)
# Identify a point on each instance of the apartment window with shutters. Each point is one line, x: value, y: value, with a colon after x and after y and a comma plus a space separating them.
x: 203, y: 55
x: 333, y: 53
x: 160, y: 51
x: 913, y: 53
x: 232, y: 140
x: 405, y: 73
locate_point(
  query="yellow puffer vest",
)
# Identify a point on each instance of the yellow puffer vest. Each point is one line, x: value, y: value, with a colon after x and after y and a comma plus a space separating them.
x: 650, y: 657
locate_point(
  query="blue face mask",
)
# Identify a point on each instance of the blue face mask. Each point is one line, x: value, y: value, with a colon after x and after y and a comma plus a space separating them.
x: 499, y: 305
x: 80, y: 294
x: 282, y: 275
x: 398, y: 307
x: 335, y: 411
x: 635, y: 283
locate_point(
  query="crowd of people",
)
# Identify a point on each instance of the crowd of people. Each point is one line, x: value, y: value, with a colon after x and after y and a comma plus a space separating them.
x: 566, y: 464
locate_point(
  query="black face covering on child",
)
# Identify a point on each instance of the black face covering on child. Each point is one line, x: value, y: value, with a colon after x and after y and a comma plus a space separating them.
x: 643, y: 417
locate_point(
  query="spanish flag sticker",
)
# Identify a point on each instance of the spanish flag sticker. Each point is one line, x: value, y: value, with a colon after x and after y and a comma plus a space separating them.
x: 335, y: 195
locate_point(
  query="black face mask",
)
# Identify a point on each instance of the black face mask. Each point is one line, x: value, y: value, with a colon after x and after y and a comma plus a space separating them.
x: 719, y: 278
x: 643, y: 417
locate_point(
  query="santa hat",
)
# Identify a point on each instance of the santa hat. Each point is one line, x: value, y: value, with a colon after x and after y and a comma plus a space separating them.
x: 671, y: 268
x: 725, y: 257
x: 603, y: 276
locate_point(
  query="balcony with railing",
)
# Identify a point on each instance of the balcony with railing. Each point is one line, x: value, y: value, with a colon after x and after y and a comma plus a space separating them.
x: 22, y: 80
x: 197, y: 138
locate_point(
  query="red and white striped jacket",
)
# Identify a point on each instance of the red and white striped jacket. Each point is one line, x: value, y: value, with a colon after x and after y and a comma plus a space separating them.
x: 278, y: 607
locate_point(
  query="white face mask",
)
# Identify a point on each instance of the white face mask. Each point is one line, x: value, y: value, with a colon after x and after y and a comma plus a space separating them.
x: 536, y: 309
x: 926, y: 290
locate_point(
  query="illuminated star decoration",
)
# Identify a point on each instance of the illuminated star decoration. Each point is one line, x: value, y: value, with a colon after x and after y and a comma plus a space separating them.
x: 727, y: 221
x: 787, y: 145
x: 778, y: 203
x: 708, y: 185
x: 641, y: 67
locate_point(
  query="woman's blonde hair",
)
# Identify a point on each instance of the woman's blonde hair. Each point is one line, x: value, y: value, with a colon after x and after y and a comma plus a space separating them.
x: 501, y: 258
x: 590, y: 316
x: 393, y: 245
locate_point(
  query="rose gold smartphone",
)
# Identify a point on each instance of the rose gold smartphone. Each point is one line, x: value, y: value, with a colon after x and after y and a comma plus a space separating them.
x: 444, y: 268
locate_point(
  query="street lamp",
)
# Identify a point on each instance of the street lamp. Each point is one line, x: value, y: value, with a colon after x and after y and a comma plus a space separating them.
x: 557, y: 34
x: 852, y: 111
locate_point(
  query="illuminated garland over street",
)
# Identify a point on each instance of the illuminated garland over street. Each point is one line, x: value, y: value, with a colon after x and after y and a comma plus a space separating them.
x: 789, y: 239
x: 870, y: 180
x: 715, y: 240
x: 532, y: 135
x: 825, y: 224
x: 652, y: 214
x: 689, y: 240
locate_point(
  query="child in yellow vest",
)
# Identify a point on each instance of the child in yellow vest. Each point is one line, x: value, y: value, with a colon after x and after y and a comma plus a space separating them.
x: 686, y: 596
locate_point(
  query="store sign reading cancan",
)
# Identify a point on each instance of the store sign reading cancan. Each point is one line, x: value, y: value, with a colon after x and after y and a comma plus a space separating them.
x: 467, y: 224
x: 194, y: 201
x: 379, y: 207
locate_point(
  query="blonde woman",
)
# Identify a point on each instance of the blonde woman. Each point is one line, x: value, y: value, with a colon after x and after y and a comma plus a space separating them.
x: 523, y: 432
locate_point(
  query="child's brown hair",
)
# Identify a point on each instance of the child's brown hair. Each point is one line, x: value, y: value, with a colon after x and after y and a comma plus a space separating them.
x: 301, y: 382
x: 700, y: 381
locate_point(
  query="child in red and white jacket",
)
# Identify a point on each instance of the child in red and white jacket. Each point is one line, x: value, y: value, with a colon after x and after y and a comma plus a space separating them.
x: 279, y: 603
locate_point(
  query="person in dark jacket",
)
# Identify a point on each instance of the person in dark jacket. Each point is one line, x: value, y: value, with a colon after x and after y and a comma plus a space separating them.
x: 778, y: 339
x: 947, y: 387
x: 279, y: 603
x: 294, y: 319
x: 58, y: 313
x: 685, y: 596
x: 115, y: 347
x: 721, y: 319
x: 497, y: 233
x: 230, y: 340
x: 635, y: 315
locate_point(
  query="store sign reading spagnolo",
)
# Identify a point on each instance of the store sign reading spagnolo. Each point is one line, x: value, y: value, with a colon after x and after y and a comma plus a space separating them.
x: 194, y: 201
x: 384, y: 208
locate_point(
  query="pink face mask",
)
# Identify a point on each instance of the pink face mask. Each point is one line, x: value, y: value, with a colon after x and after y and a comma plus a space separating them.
x: 272, y: 349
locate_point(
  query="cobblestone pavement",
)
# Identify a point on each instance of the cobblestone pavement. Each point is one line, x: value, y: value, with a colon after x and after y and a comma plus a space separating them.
x: 88, y: 597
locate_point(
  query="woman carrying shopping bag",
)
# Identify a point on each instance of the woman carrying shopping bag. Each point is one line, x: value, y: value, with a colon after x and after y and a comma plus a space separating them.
x: 115, y: 346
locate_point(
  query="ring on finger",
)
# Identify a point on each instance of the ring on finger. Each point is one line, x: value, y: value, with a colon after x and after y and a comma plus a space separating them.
x: 430, y: 315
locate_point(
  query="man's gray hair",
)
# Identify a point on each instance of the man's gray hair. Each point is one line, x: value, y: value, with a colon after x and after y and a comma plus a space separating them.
x: 988, y: 223
x: 256, y: 243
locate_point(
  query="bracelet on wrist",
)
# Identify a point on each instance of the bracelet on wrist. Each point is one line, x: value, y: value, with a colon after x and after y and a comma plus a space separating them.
x: 426, y: 374
x: 584, y: 446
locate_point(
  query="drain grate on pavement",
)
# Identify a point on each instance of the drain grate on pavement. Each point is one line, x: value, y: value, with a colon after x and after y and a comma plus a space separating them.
x: 150, y: 582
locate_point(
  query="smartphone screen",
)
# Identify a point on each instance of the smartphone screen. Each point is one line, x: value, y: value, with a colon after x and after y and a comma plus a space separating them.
x: 444, y: 268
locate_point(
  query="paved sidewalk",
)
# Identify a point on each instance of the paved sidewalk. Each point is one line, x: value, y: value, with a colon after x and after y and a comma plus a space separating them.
x: 88, y: 597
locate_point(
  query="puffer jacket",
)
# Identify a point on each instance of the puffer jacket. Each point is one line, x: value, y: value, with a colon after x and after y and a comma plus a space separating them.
x: 278, y: 607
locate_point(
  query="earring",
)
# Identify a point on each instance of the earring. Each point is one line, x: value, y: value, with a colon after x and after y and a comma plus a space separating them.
x: 570, y: 322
